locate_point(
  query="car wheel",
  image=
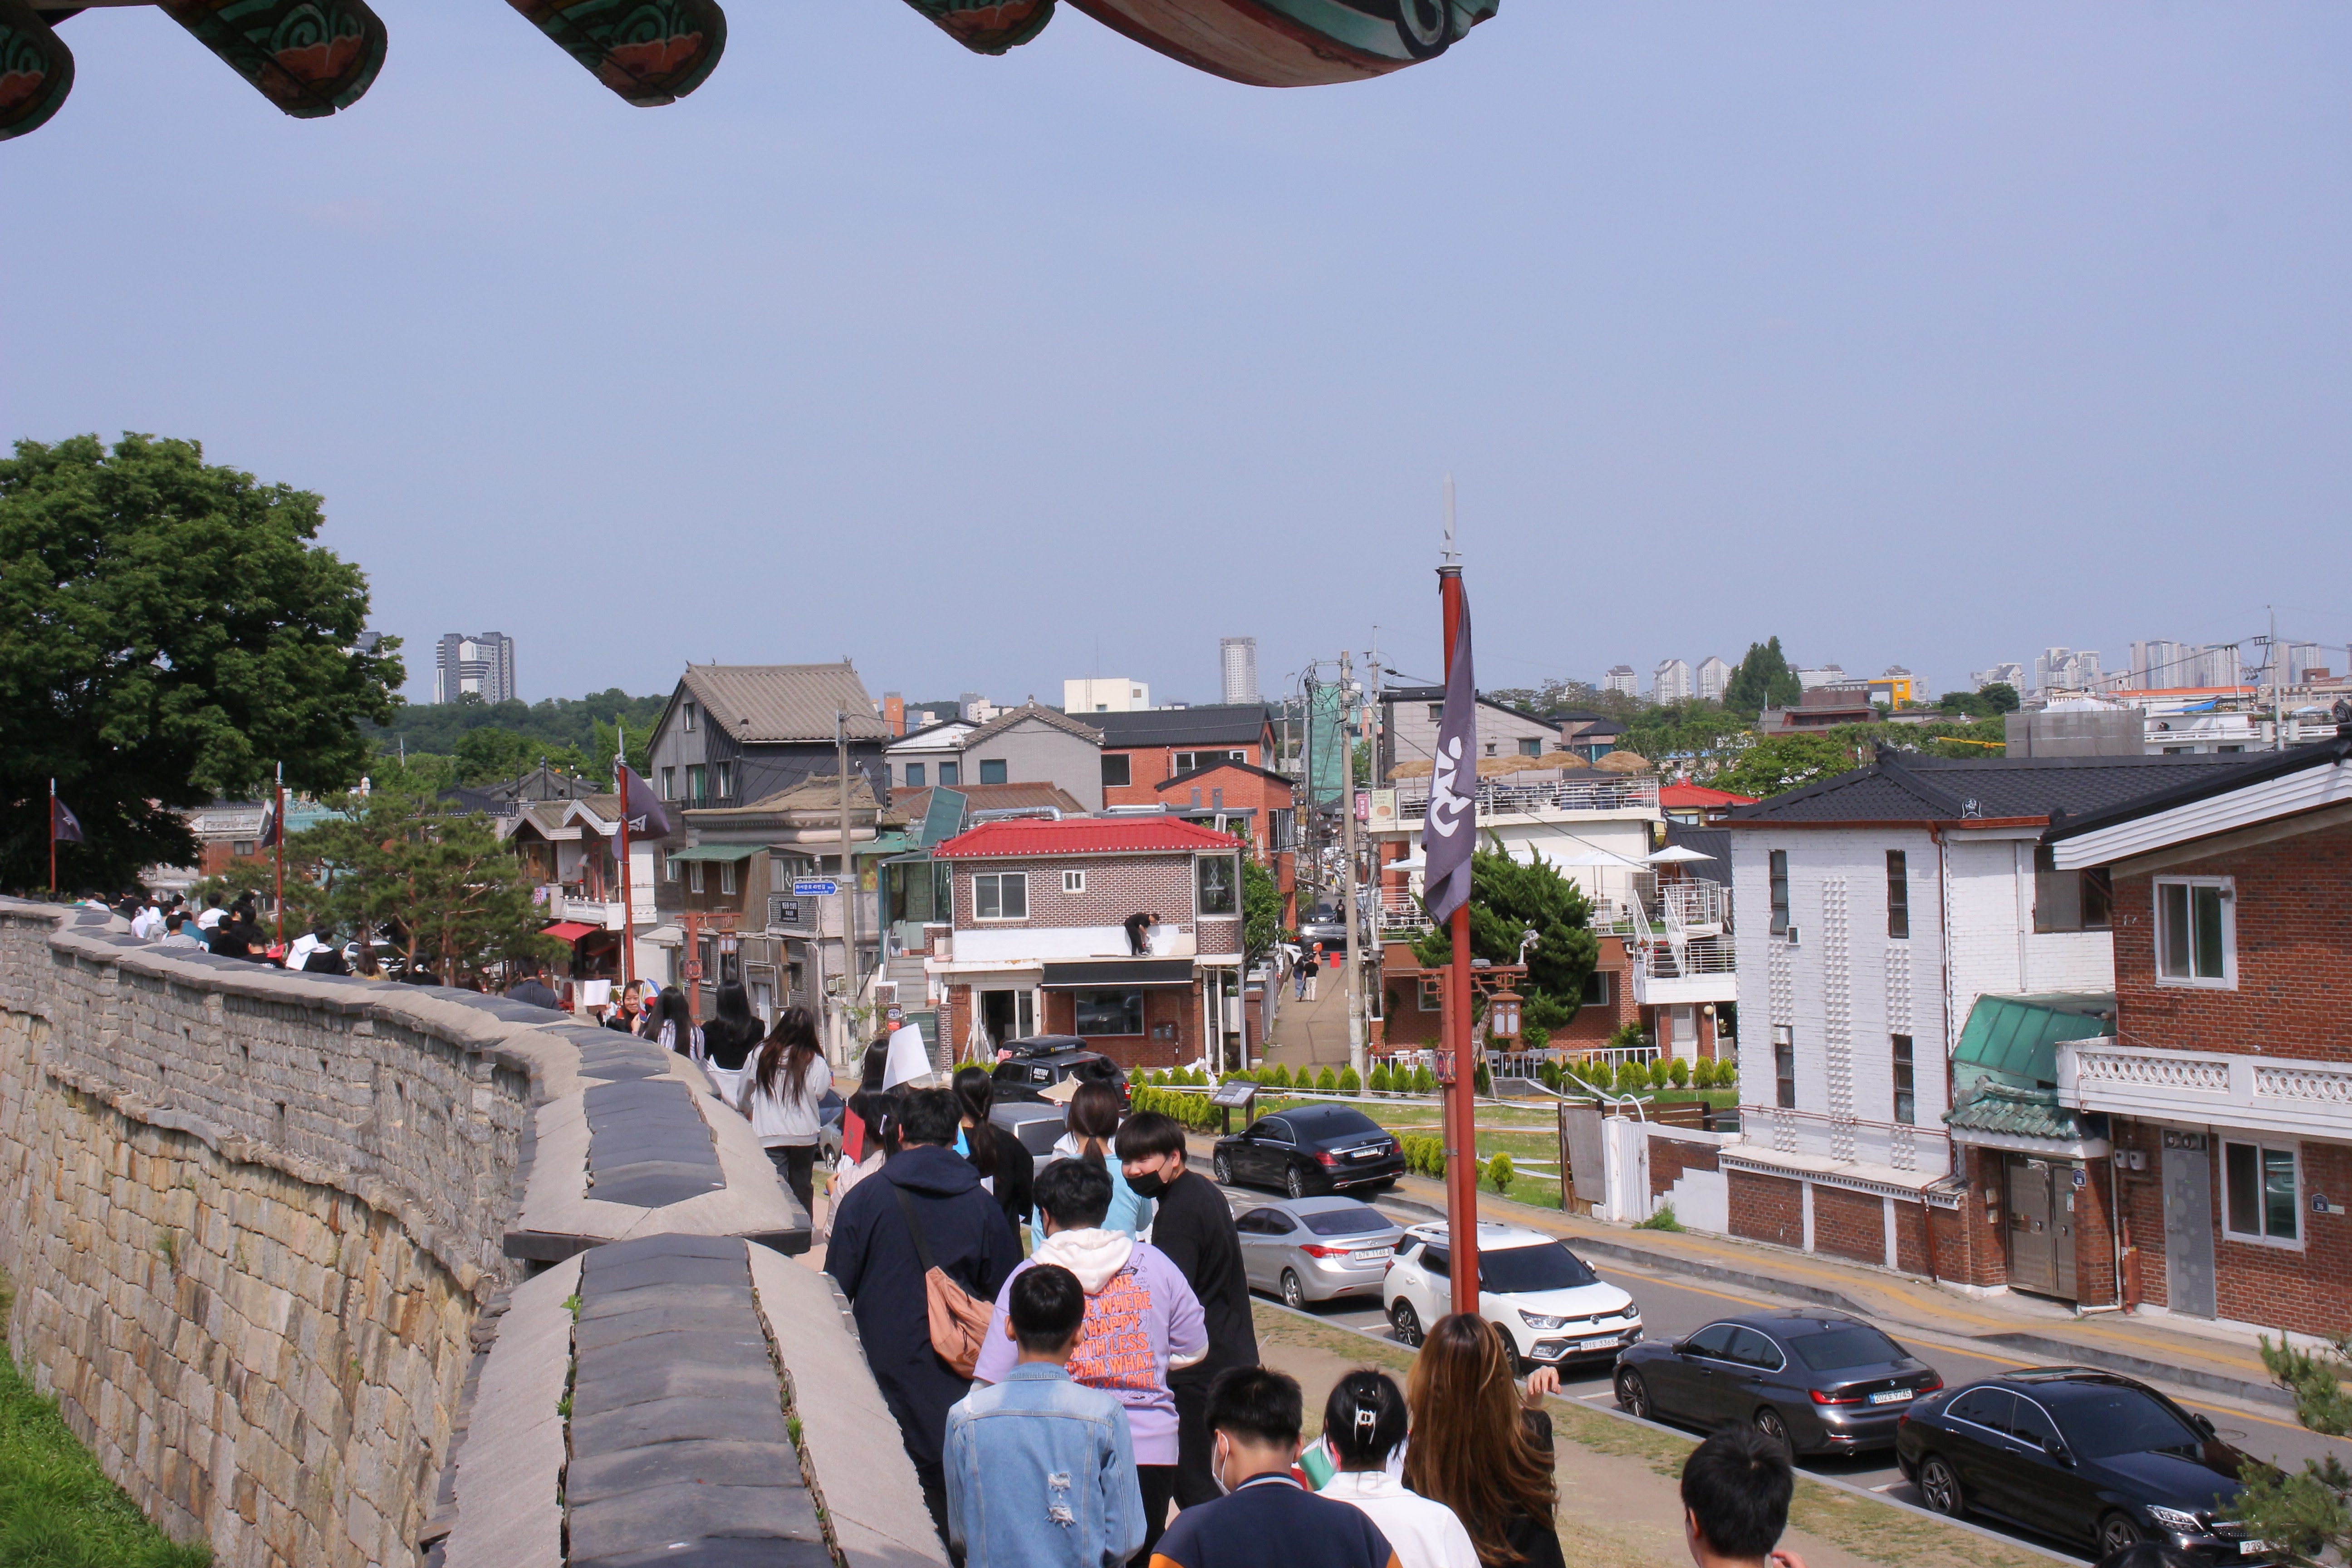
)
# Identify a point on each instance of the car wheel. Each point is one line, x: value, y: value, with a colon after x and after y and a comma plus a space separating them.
x: 1633, y: 1395
x: 1294, y: 1182
x: 1224, y: 1169
x: 1294, y: 1294
x: 1423, y: 27
x: 1774, y: 1430
x: 1406, y: 1323
x: 2117, y: 1534
x: 1939, y: 1484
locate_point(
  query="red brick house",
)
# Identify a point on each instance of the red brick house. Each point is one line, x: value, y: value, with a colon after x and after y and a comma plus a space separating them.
x: 1038, y: 944
x: 2226, y: 1086
x: 1248, y: 800
x: 1145, y: 749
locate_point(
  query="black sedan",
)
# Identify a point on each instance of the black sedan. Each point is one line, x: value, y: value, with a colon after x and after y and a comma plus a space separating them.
x: 1814, y: 1383
x: 1040, y: 1062
x: 1312, y: 1149
x: 2097, y: 1461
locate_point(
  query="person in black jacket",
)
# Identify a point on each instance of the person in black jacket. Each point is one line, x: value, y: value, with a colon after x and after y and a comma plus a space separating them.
x: 878, y: 1260
x: 1005, y: 1165
x: 1194, y: 1227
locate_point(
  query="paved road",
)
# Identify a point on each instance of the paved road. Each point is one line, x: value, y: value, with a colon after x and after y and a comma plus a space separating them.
x: 1672, y: 1306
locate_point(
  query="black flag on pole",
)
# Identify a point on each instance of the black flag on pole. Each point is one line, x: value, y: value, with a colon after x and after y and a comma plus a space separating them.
x: 641, y: 806
x: 65, y: 827
x: 269, y: 827
x: 1450, y: 832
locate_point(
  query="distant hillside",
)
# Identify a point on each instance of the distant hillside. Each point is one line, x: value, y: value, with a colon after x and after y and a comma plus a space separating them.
x: 437, y: 727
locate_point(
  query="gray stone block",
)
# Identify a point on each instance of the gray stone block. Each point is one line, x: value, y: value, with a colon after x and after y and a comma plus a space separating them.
x: 696, y: 1552
x: 658, y: 1516
x: 592, y: 1477
x: 663, y: 1244
x: 655, y: 1192
x: 736, y: 1420
x: 731, y: 1329
x: 671, y: 1270
x: 711, y: 1304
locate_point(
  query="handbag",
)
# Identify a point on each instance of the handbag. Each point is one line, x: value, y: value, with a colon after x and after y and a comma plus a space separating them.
x: 958, y: 1319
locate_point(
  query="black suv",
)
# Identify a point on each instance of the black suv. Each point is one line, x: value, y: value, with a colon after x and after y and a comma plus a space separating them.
x: 2099, y: 1461
x: 1040, y: 1062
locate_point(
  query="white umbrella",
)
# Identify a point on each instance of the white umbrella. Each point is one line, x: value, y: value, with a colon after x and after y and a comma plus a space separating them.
x: 1416, y: 861
x: 1674, y: 854
x: 1587, y: 858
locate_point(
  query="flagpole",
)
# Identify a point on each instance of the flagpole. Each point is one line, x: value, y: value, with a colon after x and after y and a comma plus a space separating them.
x: 1459, y: 1090
x: 53, y: 838
x: 280, y: 825
x: 628, y: 898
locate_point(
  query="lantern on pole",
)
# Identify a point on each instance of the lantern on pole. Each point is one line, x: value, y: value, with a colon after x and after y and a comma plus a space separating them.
x: 1503, y: 1016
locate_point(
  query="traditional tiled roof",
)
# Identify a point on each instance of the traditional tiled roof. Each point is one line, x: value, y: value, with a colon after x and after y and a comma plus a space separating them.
x: 913, y: 804
x: 774, y: 703
x: 1084, y: 836
x: 2017, y: 1113
x: 1226, y: 764
x: 1900, y: 786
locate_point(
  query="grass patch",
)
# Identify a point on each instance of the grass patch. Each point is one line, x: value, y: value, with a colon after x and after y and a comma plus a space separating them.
x: 58, y: 1510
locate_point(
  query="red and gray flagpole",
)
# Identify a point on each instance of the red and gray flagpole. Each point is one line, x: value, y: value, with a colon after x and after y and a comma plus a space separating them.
x: 628, y: 900
x: 1449, y: 840
x: 278, y: 827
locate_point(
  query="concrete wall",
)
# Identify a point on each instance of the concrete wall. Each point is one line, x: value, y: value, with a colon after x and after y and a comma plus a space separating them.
x: 1034, y: 752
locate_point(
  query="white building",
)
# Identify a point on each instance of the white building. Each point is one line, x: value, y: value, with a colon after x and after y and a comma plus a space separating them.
x: 2009, y: 675
x: 1714, y: 679
x: 481, y: 666
x: 1105, y: 694
x: 2066, y: 669
x: 1824, y: 675
x: 1619, y: 678
x: 1671, y: 681
x: 1237, y: 663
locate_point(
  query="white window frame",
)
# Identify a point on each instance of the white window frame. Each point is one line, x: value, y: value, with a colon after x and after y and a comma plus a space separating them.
x: 2228, y: 979
x: 1000, y: 879
x: 670, y: 866
x: 2293, y: 1152
x: 727, y: 876
x: 694, y: 876
x: 723, y: 781
x: 917, y: 775
x: 685, y: 715
x: 1074, y: 881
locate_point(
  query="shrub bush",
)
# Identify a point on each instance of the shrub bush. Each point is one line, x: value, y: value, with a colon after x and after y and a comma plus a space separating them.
x: 1663, y: 1220
x: 1280, y: 1078
x: 1380, y: 1084
x: 1550, y: 1073
x: 1534, y: 1037
x: 1349, y: 1082
x: 1483, y: 1081
x: 1662, y: 1071
x: 1423, y: 1080
x: 1680, y: 1072
x: 1135, y: 1075
x: 1500, y: 1172
x: 1327, y: 1082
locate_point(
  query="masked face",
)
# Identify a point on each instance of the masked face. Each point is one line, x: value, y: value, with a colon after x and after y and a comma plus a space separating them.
x: 1147, y: 1186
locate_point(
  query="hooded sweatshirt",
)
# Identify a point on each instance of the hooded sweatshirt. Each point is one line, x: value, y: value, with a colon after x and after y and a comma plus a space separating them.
x: 1141, y: 1318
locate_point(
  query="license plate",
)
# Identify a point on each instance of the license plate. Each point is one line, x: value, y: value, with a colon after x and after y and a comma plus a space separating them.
x: 1375, y: 1256
x: 1892, y: 1396
x: 1363, y: 1153
x: 2255, y: 1548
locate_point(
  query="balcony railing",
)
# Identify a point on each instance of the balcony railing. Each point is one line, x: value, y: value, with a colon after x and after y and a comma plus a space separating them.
x: 1503, y: 799
x: 1681, y: 961
x: 1399, y: 910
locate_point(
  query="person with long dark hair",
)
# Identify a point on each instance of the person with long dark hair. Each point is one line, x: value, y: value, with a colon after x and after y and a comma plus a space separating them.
x: 672, y: 1026
x: 782, y: 1093
x: 1006, y: 1167
x: 1093, y: 1123
x: 870, y: 1115
x: 728, y: 1040
x: 1364, y: 1428
x: 1477, y: 1449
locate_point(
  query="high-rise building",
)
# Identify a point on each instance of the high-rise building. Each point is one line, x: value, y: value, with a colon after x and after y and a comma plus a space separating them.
x: 2302, y: 657
x: 1714, y: 679
x: 2158, y: 664
x: 2009, y: 675
x: 2216, y: 666
x: 483, y: 664
x: 2066, y: 669
x: 1671, y: 681
x: 1822, y: 675
x: 1105, y: 694
x: 1619, y: 678
x: 1238, y: 657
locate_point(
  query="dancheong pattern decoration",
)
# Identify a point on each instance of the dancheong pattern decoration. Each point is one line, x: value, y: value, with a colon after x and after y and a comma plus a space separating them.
x: 312, y: 57
x: 36, y: 69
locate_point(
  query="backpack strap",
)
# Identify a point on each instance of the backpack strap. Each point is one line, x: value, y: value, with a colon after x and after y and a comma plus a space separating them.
x: 914, y: 1228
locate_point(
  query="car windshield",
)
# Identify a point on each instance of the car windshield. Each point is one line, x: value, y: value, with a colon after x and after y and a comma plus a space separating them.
x: 1859, y: 1345
x: 1514, y: 1270
x: 2112, y: 1421
x: 1345, y: 1222
x: 1333, y: 1122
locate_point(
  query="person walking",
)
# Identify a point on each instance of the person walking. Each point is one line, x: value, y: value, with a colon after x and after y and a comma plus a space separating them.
x: 1006, y: 1167
x: 1364, y: 1428
x: 672, y: 1026
x: 1299, y: 976
x: 1143, y: 1322
x: 1481, y: 1449
x: 1313, y: 967
x: 1194, y: 1226
x: 1093, y: 1127
x: 1040, y: 1468
x: 782, y: 1094
x: 179, y: 931
x: 1264, y: 1515
x: 728, y: 1040
x: 529, y: 989
x: 1736, y: 1490
x: 237, y: 937
x: 213, y: 914
x: 325, y: 956
x: 922, y: 1210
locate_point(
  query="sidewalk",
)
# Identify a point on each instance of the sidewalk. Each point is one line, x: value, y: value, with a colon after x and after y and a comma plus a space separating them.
x: 1312, y: 1034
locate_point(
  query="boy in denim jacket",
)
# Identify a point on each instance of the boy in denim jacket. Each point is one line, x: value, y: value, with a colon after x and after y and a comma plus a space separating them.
x: 1040, y: 1469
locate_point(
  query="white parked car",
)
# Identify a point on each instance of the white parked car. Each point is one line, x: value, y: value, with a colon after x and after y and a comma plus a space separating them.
x: 1553, y: 1307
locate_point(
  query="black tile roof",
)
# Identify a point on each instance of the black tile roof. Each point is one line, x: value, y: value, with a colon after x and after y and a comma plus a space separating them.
x: 1900, y: 786
x: 2256, y: 768
x: 1239, y: 722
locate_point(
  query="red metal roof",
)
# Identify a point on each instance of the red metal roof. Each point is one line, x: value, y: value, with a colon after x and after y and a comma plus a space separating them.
x: 1083, y: 835
x: 569, y: 930
x: 1699, y: 795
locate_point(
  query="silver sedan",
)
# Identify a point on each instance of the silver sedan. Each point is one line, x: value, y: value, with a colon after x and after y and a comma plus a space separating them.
x: 1313, y: 1250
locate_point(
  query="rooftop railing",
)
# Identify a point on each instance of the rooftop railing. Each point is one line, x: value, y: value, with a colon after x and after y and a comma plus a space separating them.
x: 1497, y: 798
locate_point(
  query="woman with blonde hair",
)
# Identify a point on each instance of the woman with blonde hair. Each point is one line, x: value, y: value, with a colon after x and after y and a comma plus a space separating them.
x: 1478, y: 1448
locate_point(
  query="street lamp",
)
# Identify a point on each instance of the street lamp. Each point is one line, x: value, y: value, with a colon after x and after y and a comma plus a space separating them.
x: 1527, y: 939
x: 1503, y: 1016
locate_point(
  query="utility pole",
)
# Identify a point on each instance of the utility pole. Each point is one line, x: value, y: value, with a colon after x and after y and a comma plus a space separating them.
x: 2278, y: 705
x: 1348, y: 854
x: 849, y: 876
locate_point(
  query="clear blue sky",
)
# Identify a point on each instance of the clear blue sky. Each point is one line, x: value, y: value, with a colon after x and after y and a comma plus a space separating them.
x: 1929, y: 334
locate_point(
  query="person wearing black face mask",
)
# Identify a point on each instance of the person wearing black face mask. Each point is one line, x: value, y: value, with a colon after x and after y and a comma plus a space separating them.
x: 1194, y: 1227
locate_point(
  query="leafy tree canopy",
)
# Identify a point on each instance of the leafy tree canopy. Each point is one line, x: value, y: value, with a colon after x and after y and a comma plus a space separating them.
x: 1783, y: 762
x: 1704, y: 734
x: 168, y: 634
x: 488, y: 741
x: 1763, y: 679
x: 2310, y: 1513
x: 1261, y: 912
x: 1509, y: 896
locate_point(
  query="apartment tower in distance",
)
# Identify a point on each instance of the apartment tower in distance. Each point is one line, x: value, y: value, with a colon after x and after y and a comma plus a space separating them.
x: 1238, y: 656
x: 482, y: 664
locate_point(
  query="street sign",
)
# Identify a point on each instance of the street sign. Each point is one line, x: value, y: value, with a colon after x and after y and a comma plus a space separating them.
x: 813, y: 887
x: 783, y: 911
x: 694, y: 969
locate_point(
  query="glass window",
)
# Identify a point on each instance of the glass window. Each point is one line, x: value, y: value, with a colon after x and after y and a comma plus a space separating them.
x: 950, y: 774
x: 2194, y: 939
x: 1784, y: 1066
x: 914, y: 772
x: 697, y: 779
x: 687, y: 712
x: 1749, y: 1348
x: 727, y: 876
x: 2028, y: 1423
x: 1437, y: 712
x: 670, y: 867
x: 1779, y: 892
x: 1511, y: 1270
x: 1118, y: 772
x: 1596, y: 988
x: 1711, y: 1340
x: 694, y: 882
x: 1274, y: 1130
x: 1530, y: 747
x: 1001, y: 895
x: 994, y: 770
x: 726, y: 780
x: 1354, y: 1221
x: 1074, y: 881
x: 241, y: 847
x: 1109, y: 1012
x: 2259, y: 1191
x: 1437, y: 1260
x: 1906, y: 1102
x: 1220, y: 892
x: 669, y: 783
x: 2111, y: 1421
x: 1859, y: 1345
x: 1898, y: 895
x: 1987, y: 1407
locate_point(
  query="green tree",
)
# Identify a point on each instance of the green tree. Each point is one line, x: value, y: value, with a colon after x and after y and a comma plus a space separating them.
x: 1763, y: 679
x: 1261, y: 913
x: 1783, y: 763
x: 2310, y: 1513
x: 2001, y: 697
x: 306, y: 899
x: 1507, y: 899
x: 168, y: 634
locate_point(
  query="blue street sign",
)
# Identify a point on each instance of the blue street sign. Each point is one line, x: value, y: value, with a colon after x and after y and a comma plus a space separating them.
x: 811, y: 888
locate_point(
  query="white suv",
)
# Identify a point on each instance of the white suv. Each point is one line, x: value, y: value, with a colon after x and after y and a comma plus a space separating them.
x: 1553, y: 1307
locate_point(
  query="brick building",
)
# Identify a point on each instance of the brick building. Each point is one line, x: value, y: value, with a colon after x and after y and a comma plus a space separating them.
x: 1145, y: 749
x: 1036, y: 942
x: 2226, y: 1084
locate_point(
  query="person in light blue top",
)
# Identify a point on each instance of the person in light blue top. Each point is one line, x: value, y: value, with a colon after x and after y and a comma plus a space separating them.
x: 1094, y: 1122
x: 1040, y: 1469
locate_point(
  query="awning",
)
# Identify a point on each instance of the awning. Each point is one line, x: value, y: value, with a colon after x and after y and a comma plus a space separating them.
x: 887, y: 844
x: 569, y: 930
x: 716, y: 852
x: 1100, y: 972
x: 2016, y: 1037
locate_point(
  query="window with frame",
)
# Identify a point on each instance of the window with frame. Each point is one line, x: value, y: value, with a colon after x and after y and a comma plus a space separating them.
x: 1906, y: 1101
x: 727, y: 876
x: 697, y: 780
x: 670, y: 867
x: 1899, y: 894
x: 1784, y: 1067
x: 1000, y: 895
x: 694, y: 879
x: 1596, y: 989
x: 1530, y: 747
x: 1074, y: 881
x: 1779, y: 875
x: 915, y: 775
x: 669, y: 783
x: 1118, y: 772
x: 1429, y: 997
x: 1437, y: 712
x: 2261, y: 1197
x: 1109, y: 1012
x: 241, y: 848
x: 2196, y: 931
x: 726, y: 780
x: 2070, y: 901
x: 951, y: 774
x: 1220, y: 884
x: 685, y: 715
x: 994, y: 770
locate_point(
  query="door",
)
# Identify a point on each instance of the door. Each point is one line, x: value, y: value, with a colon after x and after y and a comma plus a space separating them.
x: 1977, y: 1442
x: 2188, y: 1225
x: 1259, y: 1244
x: 2033, y: 1238
x: 1745, y: 1379
x: 2051, y: 1497
x: 1271, y: 1150
x: 1686, y: 1384
x: 1685, y: 1032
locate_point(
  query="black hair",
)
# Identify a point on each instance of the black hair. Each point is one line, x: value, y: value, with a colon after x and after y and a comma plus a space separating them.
x: 792, y: 1045
x: 975, y: 1093
x: 877, y: 1063
x: 212, y: 900
x: 879, y: 1109
x: 1075, y: 1193
x: 732, y: 1032
x: 1256, y: 1402
x: 669, y: 1007
x: 1146, y: 1134
x: 1093, y: 1117
x: 174, y: 920
x: 1364, y: 1419
x: 928, y: 1116
x: 526, y: 967
x: 1736, y: 1485
x: 2147, y: 1555
x: 1047, y: 1308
